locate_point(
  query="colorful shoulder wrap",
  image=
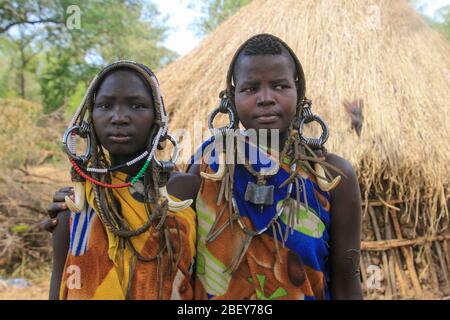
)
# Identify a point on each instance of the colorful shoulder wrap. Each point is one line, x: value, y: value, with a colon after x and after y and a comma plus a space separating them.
x: 100, y: 266
x: 297, y: 270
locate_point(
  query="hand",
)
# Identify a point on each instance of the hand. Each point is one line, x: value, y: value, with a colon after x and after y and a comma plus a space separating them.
x: 56, y: 207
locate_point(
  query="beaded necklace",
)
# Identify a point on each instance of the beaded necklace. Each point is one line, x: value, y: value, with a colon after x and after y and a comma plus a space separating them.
x: 83, y: 130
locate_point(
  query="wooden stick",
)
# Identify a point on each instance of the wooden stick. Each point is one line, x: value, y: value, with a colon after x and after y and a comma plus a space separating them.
x: 432, y: 269
x: 399, y: 275
x: 375, y: 203
x: 443, y: 265
x: 392, y: 274
x: 362, y: 268
x: 383, y: 253
x: 387, y: 204
x: 408, y: 256
x: 388, y: 236
x: 446, y: 254
x: 403, y: 286
x: 389, y: 244
x: 429, y: 253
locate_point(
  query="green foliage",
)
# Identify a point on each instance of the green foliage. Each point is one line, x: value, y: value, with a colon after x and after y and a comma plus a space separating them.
x: 75, y: 99
x: 443, y: 25
x: 5, y: 70
x: 19, y: 12
x: 60, y: 78
x: 46, y: 53
x: 441, y: 20
x: 215, y: 12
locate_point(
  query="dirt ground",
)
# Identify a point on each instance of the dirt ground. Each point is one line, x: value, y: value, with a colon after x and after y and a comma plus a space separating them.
x: 37, y: 291
x: 40, y: 286
x: 46, y: 179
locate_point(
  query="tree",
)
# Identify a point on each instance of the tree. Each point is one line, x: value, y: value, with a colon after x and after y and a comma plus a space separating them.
x: 441, y: 19
x: 38, y: 35
x: 110, y: 30
x: 24, y: 12
x: 214, y: 13
x: 443, y: 22
x: 27, y: 47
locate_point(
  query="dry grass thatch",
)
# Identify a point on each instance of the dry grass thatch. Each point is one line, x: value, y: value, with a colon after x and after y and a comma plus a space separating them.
x: 396, y: 64
x: 380, y: 54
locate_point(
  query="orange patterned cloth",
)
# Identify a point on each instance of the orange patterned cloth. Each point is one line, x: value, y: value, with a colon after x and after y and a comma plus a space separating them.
x: 99, y: 266
x: 299, y: 271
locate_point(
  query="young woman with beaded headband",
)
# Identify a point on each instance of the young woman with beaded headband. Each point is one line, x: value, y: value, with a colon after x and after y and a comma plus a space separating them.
x: 128, y: 238
x: 289, y: 230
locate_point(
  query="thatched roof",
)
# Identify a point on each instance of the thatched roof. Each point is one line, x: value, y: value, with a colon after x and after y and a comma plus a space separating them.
x: 393, y: 61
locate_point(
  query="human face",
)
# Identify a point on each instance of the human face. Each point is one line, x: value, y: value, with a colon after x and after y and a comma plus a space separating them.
x: 265, y: 94
x: 123, y: 114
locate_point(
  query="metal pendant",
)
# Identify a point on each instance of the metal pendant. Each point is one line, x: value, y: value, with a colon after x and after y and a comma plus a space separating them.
x: 259, y: 194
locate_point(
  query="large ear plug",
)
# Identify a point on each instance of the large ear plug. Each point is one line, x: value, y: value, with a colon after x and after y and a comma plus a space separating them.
x: 220, y: 172
x: 80, y: 198
x: 175, y: 206
x: 324, y: 184
x: 225, y: 107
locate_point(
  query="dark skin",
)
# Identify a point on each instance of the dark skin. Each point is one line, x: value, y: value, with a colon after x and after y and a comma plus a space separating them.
x: 123, y: 115
x: 266, y: 98
x: 265, y: 94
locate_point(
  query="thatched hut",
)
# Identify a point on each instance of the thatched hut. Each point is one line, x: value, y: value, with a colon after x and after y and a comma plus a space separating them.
x: 381, y: 54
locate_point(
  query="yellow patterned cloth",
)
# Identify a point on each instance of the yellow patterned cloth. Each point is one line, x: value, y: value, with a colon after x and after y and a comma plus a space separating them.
x: 98, y: 264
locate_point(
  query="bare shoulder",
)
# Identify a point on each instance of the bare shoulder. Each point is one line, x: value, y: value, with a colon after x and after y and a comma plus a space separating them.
x: 347, y: 192
x: 344, y: 165
x: 345, y: 235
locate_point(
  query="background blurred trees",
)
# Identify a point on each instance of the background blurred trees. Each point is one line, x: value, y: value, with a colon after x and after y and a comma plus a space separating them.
x: 443, y: 21
x: 46, y: 58
x: 214, y: 13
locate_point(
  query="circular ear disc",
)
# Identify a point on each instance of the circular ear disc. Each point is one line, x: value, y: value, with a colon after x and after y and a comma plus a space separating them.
x: 224, y: 107
x: 307, y: 117
x: 175, y: 152
x: 69, y: 142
